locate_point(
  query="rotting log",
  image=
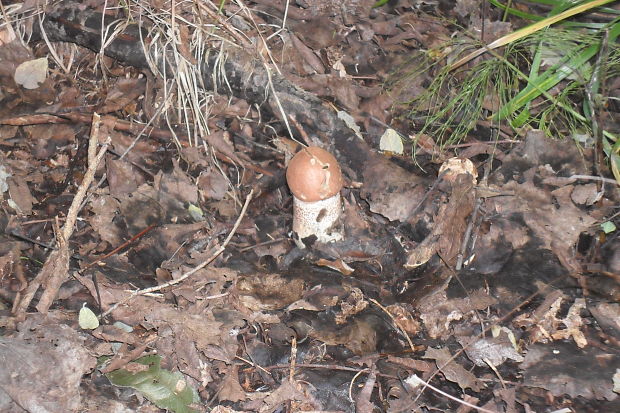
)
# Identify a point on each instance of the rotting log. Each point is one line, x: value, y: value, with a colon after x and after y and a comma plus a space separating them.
x: 241, y: 74
x: 246, y: 78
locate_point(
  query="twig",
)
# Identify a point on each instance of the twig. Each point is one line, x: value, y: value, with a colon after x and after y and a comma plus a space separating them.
x: 497, y: 373
x: 595, y: 178
x: 34, y: 241
x: 253, y: 364
x: 262, y: 244
x: 193, y: 270
x: 120, y: 247
x: 54, y: 271
x: 335, y: 367
x: 352, y: 382
x: 291, y: 371
x: 396, y: 324
x: 415, y: 380
x: 93, y: 163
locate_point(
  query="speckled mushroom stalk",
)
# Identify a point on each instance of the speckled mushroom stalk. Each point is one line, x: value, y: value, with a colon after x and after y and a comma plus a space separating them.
x: 315, y: 180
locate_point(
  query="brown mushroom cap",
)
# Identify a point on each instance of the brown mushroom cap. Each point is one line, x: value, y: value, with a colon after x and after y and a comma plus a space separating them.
x: 313, y: 174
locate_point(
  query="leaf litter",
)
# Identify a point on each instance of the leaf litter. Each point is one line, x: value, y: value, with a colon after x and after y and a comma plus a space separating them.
x: 494, y: 282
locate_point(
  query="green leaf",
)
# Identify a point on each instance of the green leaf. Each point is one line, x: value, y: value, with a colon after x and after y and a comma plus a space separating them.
x: 167, y: 390
x: 196, y: 213
x: 87, y: 319
x: 391, y: 142
x: 608, y: 227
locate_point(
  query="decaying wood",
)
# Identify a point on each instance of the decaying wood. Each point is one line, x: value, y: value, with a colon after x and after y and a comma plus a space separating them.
x: 246, y: 77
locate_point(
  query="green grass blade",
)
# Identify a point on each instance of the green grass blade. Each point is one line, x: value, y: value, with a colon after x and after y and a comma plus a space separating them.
x: 524, y: 116
x: 526, y: 31
x: 536, y: 86
x: 546, y: 81
x: 535, y: 17
x: 568, y: 3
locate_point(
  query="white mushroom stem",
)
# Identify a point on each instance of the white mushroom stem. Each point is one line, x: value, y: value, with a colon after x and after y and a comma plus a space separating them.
x: 319, y: 218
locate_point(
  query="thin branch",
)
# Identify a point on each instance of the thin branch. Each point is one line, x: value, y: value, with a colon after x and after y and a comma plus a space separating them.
x: 414, y: 380
x: 54, y: 271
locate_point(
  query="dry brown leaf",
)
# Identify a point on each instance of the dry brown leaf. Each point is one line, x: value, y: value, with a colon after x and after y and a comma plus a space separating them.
x: 20, y: 194
x: 123, y: 92
x: 453, y: 371
x: 105, y: 209
x: 230, y: 388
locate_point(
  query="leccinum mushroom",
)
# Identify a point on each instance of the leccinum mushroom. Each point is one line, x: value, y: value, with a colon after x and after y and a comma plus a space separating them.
x: 315, y: 179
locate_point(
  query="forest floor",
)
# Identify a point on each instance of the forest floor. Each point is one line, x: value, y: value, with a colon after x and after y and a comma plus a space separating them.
x: 147, y: 259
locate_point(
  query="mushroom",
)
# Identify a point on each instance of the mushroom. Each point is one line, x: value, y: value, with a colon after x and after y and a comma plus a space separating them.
x: 315, y: 179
